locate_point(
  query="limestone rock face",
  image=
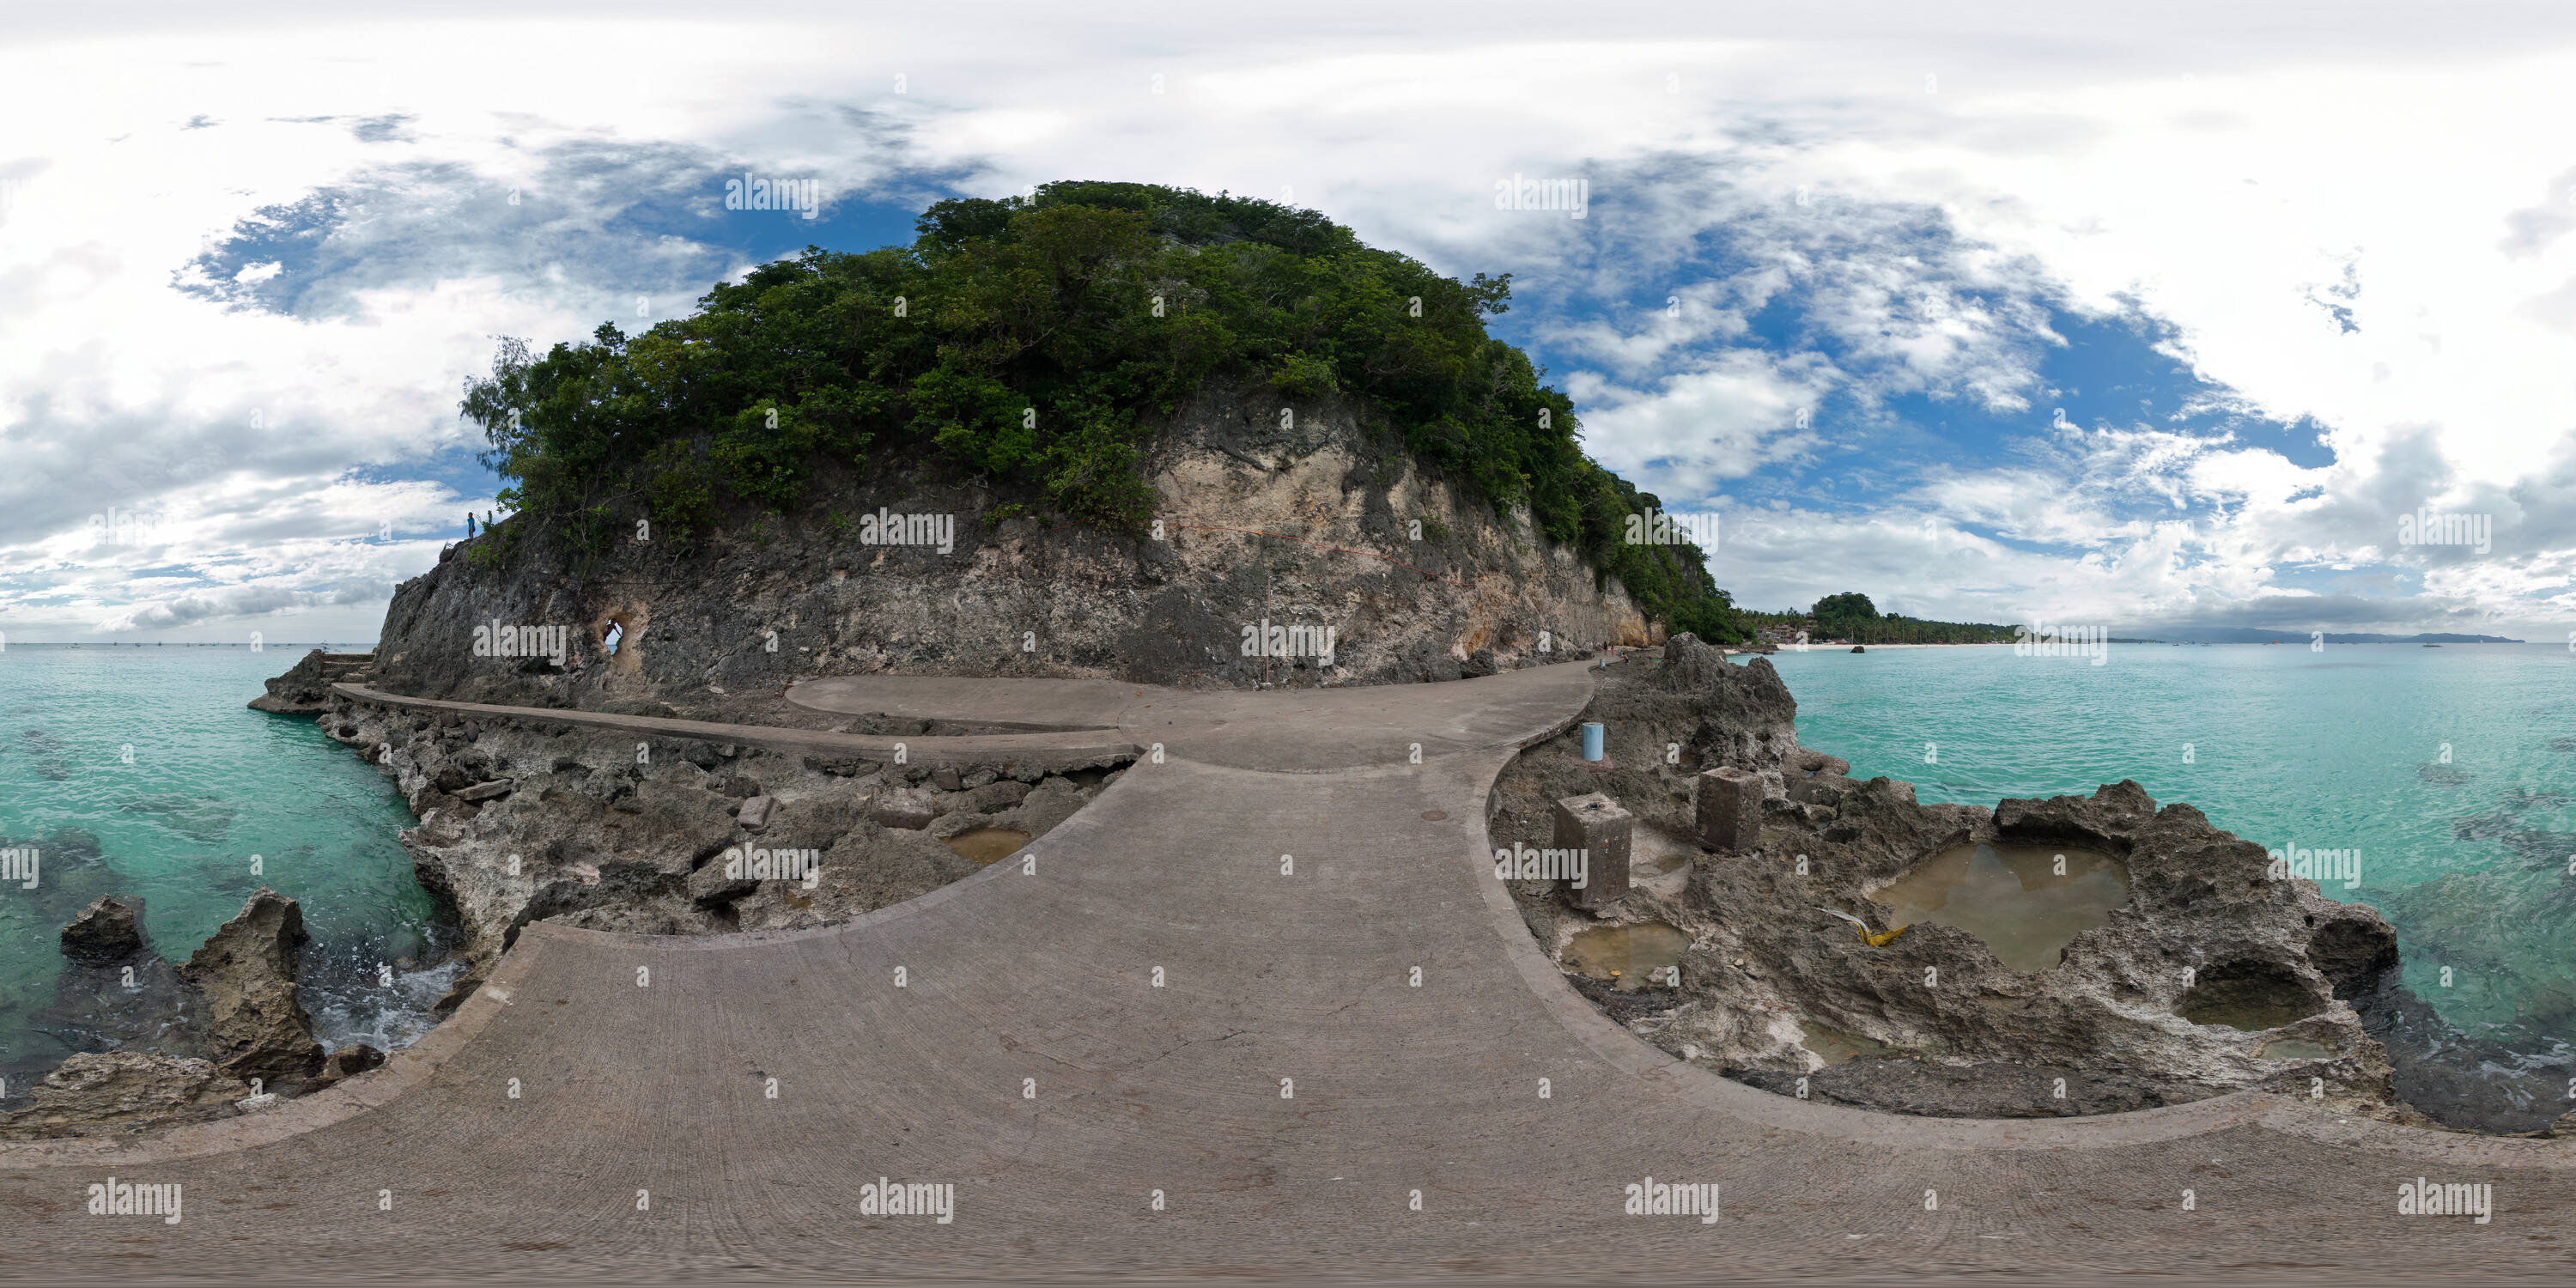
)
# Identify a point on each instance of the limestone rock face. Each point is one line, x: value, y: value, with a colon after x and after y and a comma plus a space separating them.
x: 247, y: 971
x: 1665, y: 721
x: 872, y: 867
x: 991, y: 797
x: 347, y: 1062
x: 1439, y: 581
x: 124, y: 1089
x: 904, y: 807
x: 106, y: 932
x: 1049, y: 803
x: 303, y: 690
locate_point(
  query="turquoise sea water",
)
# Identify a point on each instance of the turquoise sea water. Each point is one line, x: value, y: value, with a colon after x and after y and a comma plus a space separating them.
x: 2450, y: 770
x: 139, y: 771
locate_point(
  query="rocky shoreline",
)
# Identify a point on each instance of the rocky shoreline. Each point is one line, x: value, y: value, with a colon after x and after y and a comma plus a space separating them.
x: 224, y: 1033
x: 522, y: 821
x: 1768, y: 971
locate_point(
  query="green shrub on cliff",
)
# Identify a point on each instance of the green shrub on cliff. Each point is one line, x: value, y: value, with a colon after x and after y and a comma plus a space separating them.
x: 1035, y: 340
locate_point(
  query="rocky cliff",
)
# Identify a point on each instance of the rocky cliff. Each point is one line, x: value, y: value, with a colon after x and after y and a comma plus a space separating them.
x: 1322, y: 526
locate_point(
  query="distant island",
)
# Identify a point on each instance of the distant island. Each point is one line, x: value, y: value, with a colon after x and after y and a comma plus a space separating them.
x: 1850, y: 618
x: 2248, y: 635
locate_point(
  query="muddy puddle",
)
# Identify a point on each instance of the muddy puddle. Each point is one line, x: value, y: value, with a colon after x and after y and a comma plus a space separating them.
x: 1636, y: 955
x: 2026, y: 902
x: 987, y: 844
x: 2295, y: 1049
x: 1834, y: 1046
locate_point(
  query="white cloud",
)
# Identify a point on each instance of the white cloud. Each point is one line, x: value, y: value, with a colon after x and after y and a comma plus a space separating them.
x: 2386, y: 168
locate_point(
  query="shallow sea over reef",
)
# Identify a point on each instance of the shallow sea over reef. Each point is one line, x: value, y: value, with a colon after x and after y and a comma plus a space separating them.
x: 139, y: 771
x: 2435, y: 784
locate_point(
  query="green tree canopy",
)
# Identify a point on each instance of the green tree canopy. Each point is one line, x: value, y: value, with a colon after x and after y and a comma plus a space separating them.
x: 1035, y: 341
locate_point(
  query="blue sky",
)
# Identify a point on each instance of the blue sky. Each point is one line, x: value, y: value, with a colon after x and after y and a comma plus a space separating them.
x: 1838, y: 274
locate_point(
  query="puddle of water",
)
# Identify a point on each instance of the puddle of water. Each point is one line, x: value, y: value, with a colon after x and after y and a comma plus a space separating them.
x: 2250, y: 995
x: 2248, y: 1016
x: 1631, y: 952
x: 987, y: 844
x: 2295, y: 1049
x: 1833, y: 1046
x: 2012, y: 897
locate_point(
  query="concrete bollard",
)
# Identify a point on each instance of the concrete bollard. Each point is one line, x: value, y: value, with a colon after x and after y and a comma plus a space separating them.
x: 1596, y: 825
x: 1730, y: 809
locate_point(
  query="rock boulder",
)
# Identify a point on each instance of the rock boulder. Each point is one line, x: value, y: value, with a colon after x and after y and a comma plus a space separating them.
x: 247, y: 970
x: 106, y: 932
x: 304, y: 690
x: 347, y: 1062
x: 124, y: 1089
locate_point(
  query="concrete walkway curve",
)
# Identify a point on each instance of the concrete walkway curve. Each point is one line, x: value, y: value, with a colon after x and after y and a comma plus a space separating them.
x: 1091, y: 1048
x: 1295, y: 730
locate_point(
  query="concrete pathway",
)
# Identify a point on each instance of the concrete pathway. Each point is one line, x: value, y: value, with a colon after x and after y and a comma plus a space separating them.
x: 1049, y: 752
x: 1230, y: 1022
x: 1300, y: 729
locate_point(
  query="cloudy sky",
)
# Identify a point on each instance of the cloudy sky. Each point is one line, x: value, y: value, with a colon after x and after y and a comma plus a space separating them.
x: 2154, y: 315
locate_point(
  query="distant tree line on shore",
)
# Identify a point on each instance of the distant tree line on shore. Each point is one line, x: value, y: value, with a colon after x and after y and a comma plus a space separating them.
x: 1851, y: 617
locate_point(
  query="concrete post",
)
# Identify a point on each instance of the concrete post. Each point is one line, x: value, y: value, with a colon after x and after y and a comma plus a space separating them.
x: 1597, y: 826
x: 1730, y: 809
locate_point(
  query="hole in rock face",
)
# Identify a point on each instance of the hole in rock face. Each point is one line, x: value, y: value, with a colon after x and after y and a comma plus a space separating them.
x: 987, y: 844
x: 1634, y: 952
x: 2353, y: 955
x: 2250, y: 995
x: 609, y: 641
x: 2014, y: 897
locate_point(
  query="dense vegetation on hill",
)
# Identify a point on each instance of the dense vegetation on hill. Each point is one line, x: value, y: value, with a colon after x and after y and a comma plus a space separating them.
x: 1850, y: 616
x: 1034, y: 340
